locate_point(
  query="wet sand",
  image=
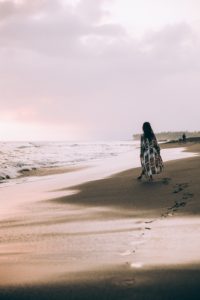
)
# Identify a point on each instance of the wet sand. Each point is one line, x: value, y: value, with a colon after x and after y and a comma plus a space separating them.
x: 115, y: 238
x: 49, y: 171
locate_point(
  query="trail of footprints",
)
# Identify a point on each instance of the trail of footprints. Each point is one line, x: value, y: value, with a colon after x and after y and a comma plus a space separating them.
x: 180, y: 189
x: 185, y: 196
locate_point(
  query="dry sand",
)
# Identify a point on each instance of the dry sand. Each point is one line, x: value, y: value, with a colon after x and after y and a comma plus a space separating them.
x: 116, y: 238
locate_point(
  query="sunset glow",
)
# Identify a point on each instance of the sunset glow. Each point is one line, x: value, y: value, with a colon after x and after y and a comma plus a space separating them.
x: 16, y: 131
x: 86, y: 69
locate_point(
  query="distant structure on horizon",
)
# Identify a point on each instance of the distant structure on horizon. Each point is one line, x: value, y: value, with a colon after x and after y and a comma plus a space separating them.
x: 171, y: 135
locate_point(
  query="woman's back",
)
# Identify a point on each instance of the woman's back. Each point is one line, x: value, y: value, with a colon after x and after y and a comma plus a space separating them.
x: 150, y: 153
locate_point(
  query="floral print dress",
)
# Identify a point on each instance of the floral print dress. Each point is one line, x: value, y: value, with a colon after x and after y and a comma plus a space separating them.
x: 151, y: 160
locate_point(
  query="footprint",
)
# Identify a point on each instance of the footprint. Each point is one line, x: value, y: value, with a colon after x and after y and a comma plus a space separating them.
x: 126, y: 253
x: 187, y: 195
x: 180, y: 187
x: 136, y: 265
x: 177, y: 190
x: 167, y: 214
x: 148, y: 222
x: 166, y: 180
x: 177, y: 205
x: 170, y: 214
x: 175, y: 209
x: 125, y: 282
x: 164, y: 215
x: 182, y: 204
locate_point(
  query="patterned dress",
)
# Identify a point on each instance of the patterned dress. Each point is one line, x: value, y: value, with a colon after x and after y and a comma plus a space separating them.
x: 151, y: 160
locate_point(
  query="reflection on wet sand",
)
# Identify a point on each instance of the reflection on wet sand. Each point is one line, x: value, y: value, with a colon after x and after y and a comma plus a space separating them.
x: 51, y: 244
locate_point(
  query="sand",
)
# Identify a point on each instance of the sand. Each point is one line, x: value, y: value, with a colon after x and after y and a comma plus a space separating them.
x: 49, y: 171
x: 115, y: 238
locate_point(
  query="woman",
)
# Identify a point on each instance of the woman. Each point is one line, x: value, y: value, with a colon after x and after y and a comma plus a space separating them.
x: 151, y: 160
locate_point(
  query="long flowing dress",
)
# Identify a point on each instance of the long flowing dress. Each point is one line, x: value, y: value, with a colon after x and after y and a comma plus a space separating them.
x: 151, y: 160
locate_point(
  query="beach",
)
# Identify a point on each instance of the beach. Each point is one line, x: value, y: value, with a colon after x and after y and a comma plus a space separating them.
x: 107, y: 238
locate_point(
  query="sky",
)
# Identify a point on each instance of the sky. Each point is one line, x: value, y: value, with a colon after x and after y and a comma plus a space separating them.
x: 98, y: 69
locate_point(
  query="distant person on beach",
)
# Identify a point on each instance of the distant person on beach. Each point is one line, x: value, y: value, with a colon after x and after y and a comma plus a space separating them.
x: 151, y: 160
x: 184, y: 138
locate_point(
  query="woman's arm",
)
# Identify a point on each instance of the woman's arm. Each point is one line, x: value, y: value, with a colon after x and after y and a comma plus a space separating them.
x: 142, y: 147
x: 156, y: 145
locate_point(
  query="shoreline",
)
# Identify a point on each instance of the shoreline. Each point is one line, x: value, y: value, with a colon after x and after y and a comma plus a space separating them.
x: 37, y: 173
x: 37, y: 188
x: 123, y: 236
x: 50, y: 171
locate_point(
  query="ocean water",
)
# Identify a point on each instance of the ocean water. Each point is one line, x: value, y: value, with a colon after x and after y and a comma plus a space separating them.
x: 16, y: 157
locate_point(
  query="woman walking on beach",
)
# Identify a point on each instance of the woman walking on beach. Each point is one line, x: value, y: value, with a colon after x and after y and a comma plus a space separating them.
x: 151, y: 160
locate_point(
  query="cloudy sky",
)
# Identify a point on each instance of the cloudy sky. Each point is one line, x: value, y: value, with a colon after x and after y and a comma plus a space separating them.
x: 97, y: 69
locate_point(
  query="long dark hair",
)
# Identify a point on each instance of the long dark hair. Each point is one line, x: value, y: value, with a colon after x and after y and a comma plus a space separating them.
x: 148, y: 131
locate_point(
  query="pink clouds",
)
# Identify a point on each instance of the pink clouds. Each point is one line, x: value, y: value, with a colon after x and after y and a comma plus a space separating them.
x: 60, y: 65
x: 19, y: 114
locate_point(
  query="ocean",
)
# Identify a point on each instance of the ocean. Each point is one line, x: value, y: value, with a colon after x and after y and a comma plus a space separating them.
x: 17, y: 157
